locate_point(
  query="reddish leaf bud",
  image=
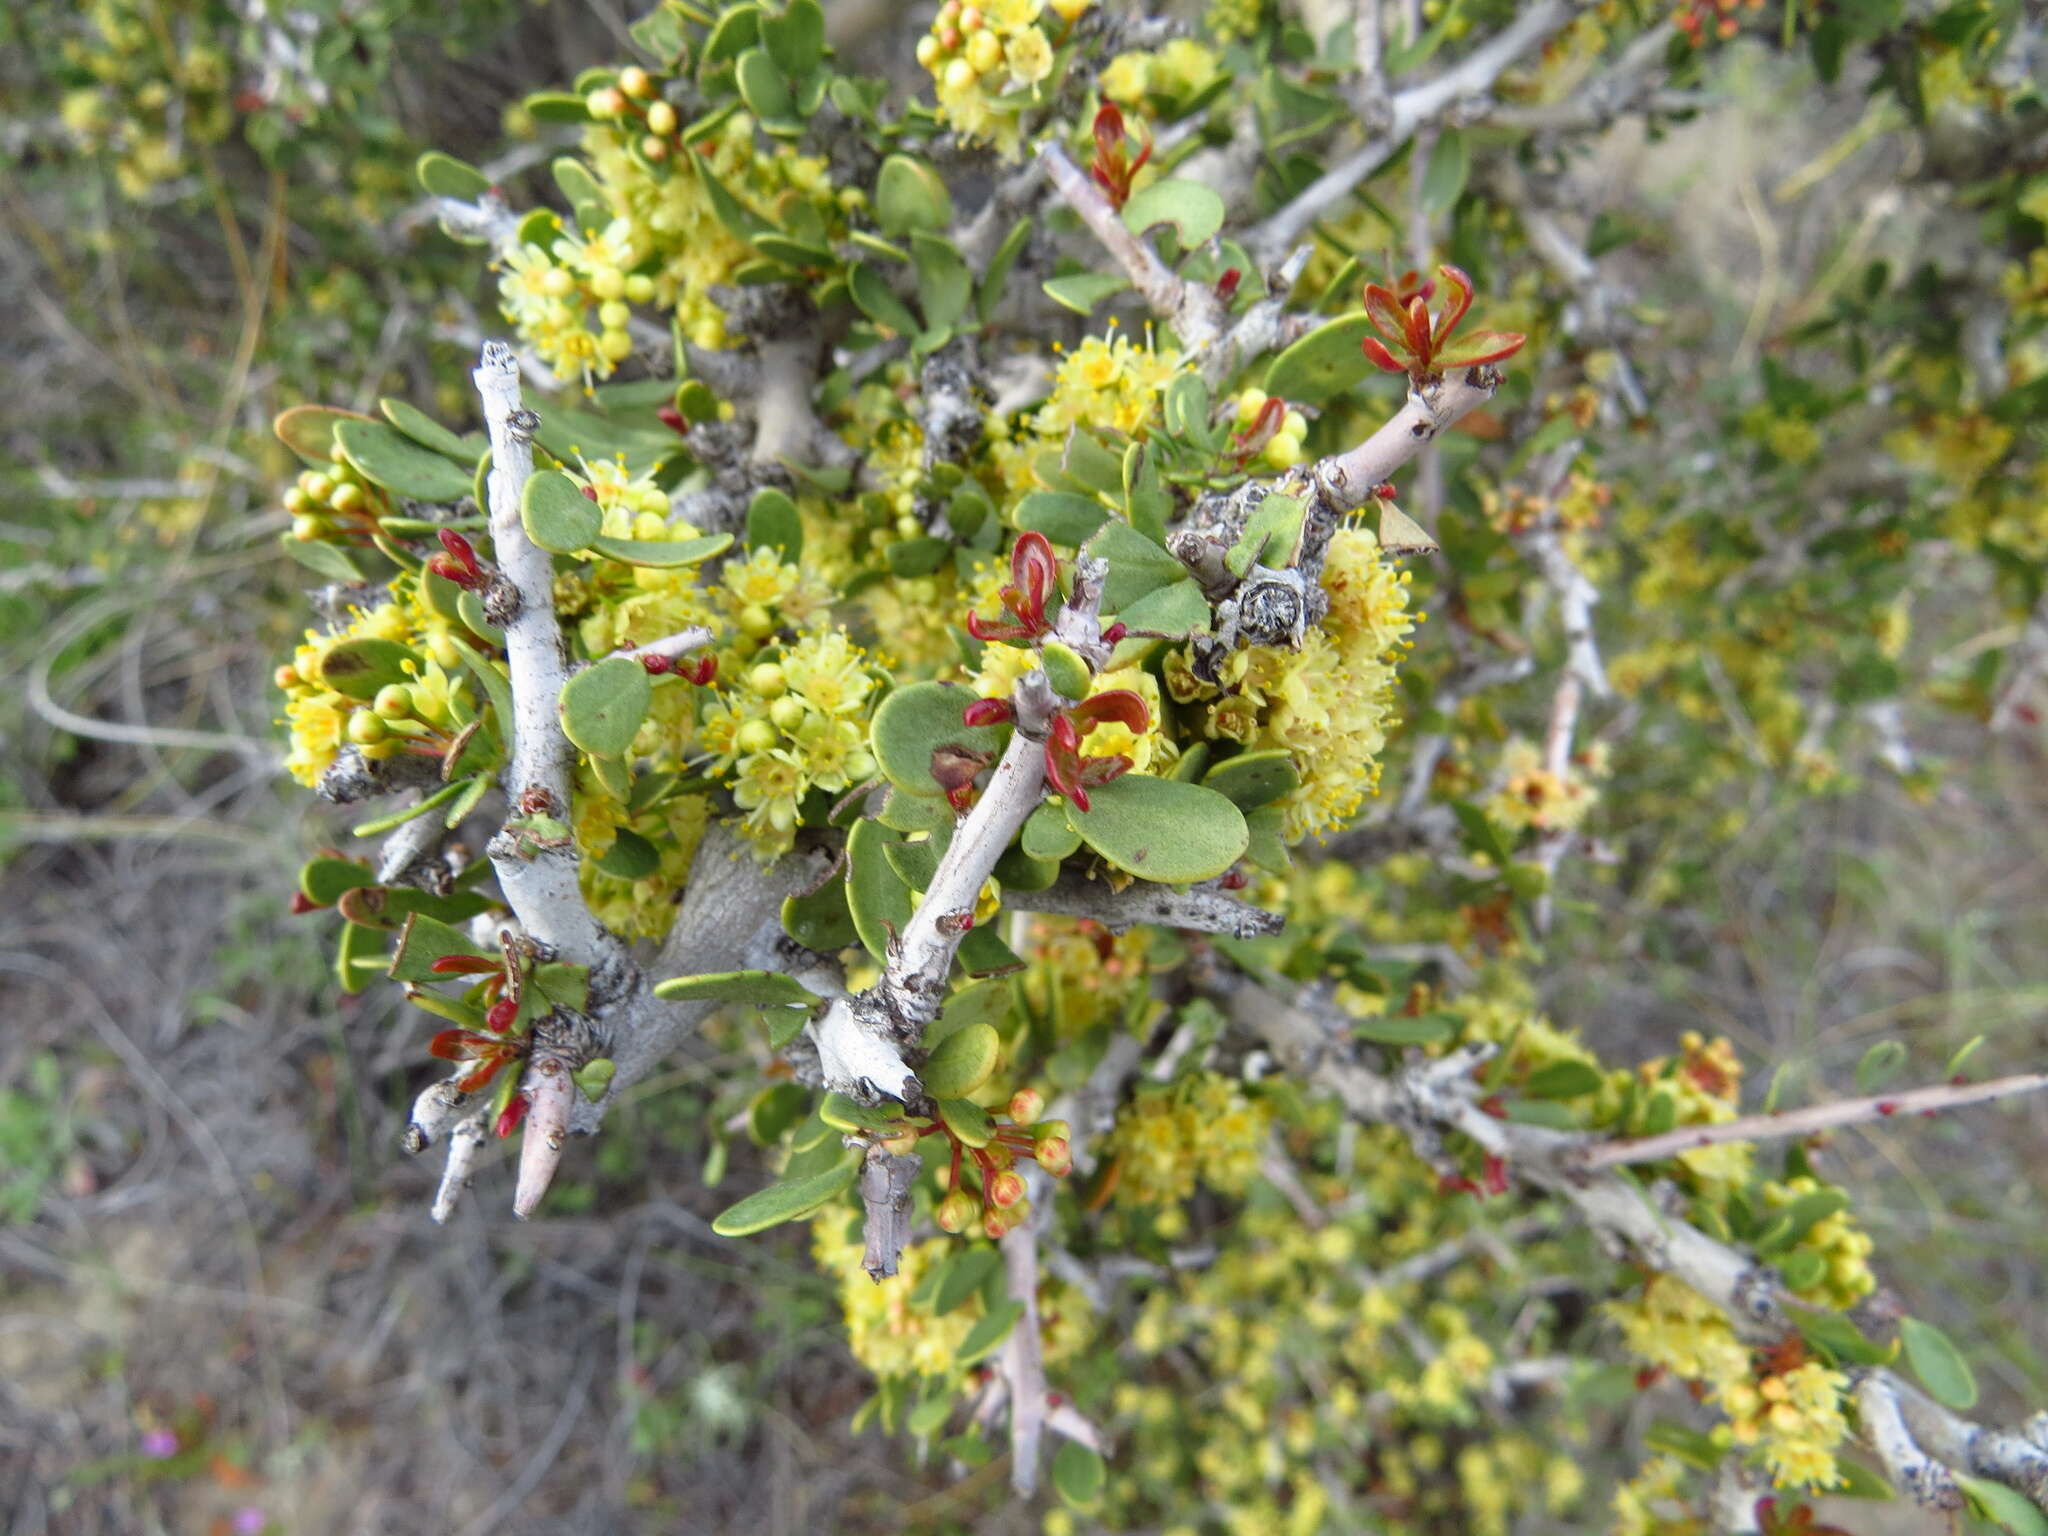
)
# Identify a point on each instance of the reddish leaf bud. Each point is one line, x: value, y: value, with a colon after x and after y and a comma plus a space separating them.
x: 673, y: 419
x: 988, y: 712
x: 508, y: 1122
x: 1115, y: 632
x: 1226, y: 285
x: 655, y: 663
x: 504, y: 1013
x: 302, y: 904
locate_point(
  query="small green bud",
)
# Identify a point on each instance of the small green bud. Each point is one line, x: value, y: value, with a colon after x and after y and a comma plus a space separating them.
x: 366, y: 729
x: 347, y: 498
x: 661, y: 119
x: 393, y: 701
x: 787, y: 712
x: 756, y: 621
x: 296, y: 500
x: 768, y: 680
x: 1065, y: 670
x: 317, y: 487
x: 955, y: 1211
x: 306, y: 528
x: 756, y: 736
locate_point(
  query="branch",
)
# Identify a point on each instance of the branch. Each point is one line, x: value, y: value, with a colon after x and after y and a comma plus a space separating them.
x: 1473, y: 76
x: 464, y: 1142
x: 1437, y: 1096
x: 1192, y: 309
x: 1205, y: 907
x: 1792, y: 1124
x: 540, y: 885
x: 1023, y: 1362
x: 1909, y: 1467
x: 669, y: 647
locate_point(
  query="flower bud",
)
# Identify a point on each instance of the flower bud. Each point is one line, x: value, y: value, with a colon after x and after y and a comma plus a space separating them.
x: 955, y: 1211
x: 347, y: 497
x: 756, y: 736
x: 984, y: 51
x: 1055, y: 1155
x: 613, y: 314
x: 616, y: 346
x: 661, y: 119
x: 928, y: 50
x: 610, y: 101
x: 318, y: 487
x: 1026, y: 1105
x: 787, y: 712
x: 768, y: 680
x: 635, y: 82
x: 654, y: 147
x: 1005, y: 1189
x: 296, y: 500
x: 393, y: 701
x: 365, y: 729
x: 961, y: 76
x: 639, y: 288
x: 756, y: 621
x: 286, y: 677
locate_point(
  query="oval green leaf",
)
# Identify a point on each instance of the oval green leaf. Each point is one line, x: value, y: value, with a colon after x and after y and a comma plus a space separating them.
x: 1079, y: 1475
x: 786, y: 1201
x: 557, y: 515
x: 445, y: 176
x: 1325, y: 362
x: 1194, y: 211
x: 1047, y: 835
x: 915, y: 721
x: 1162, y: 830
x: 308, y: 430
x: 875, y: 893
x: 663, y: 553
x: 1939, y: 1364
x: 962, y: 1062
x: 603, y: 705
x: 1062, y: 516
x: 1253, y: 779
x: 386, y: 455
x: 356, y: 669
x: 774, y: 523
x: 911, y: 195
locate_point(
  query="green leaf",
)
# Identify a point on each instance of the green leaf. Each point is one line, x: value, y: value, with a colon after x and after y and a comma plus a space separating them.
x: 323, y: 559
x: 1136, y: 565
x: 1788, y: 1226
x: 637, y: 437
x: 421, y: 942
x: 663, y: 554
x: 760, y: 988
x: 557, y: 107
x: 493, y: 682
x: 968, y: 1121
x: 875, y: 894
x: 324, y: 881
x: 993, y: 281
x: 1253, y: 779
x: 909, y: 558
x: 1562, y: 1080
x: 982, y: 952
x: 1176, y: 611
x: 1268, y: 847
x: 787, y: 1201
x: 962, y: 1062
x: 1834, y: 1333
x: 2012, y: 1511
x: 913, y: 722
x: 740, y: 220
x: 762, y: 87
x: 1443, y: 180
x: 774, y: 523
x: 1325, y: 362
x: 987, y: 1335
x: 1062, y: 516
x: 965, y: 1275
x: 386, y: 455
x: 915, y: 863
x: 910, y: 195
x: 630, y: 857
x: 820, y: 920
x: 358, y: 668
x: 1162, y: 830
x: 1082, y: 291
x: 1483, y: 836
x: 737, y: 30
x: 796, y: 38
x: 603, y: 705
x: 445, y: 176
x: 1688, y: 1445
x: 1047, y: 835
x: 1880, y: 1064
x: 845, y: 1116
x: 557, y: 515
x: 1187, y: 406
x: 357, y: 954
x: 1272, y: 535
x: 1399, y: 1029
x: 1194, y: 211
x: 429, y: 433
x: 873, y: 296
x: 944, y: 285
x: 1939, y: 1364
x: 1078, y: 1474
x: 587, y: 204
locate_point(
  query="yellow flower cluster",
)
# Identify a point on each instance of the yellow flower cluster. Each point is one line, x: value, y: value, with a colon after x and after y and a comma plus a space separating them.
x: 662, y: 244
x: 1531, y: 796
x: 1329, y: 704
x: 1705, y: 1084
x: 1844, y: 1249
x: 986, y: 61
x: 797, y: 722
x: 889, y: 1335
x: 1230, y: 20
x: 1108, y: 383
x: 156, y: 92
x: 1201, y: 1127
x: 320, y: 720
x: 1792, y: 1415
x: 1150, y: 81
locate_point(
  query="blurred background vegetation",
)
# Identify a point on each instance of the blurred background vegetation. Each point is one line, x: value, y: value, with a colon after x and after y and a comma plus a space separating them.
x: 206, y: 1232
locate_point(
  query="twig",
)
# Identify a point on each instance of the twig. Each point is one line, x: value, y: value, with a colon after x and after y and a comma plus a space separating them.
x: 1192, y: 309
x: 464, y: 1142
x: 1781, y: 1125
x: 1206, y: 908
x: 1909, y: 1467
x: 1023, y: 1362
x: 669, y: 647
